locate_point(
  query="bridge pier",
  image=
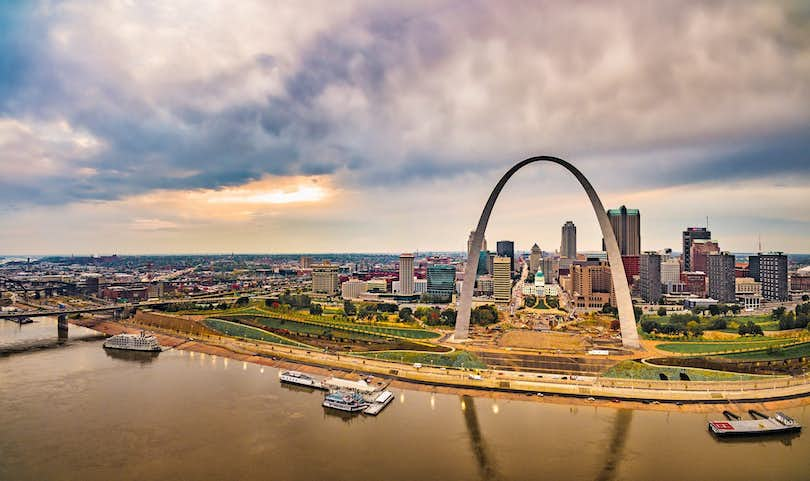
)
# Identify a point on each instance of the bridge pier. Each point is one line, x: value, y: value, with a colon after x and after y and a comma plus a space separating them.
x: 62, y: 326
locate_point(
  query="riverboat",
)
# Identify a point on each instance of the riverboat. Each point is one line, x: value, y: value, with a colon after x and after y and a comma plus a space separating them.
x: 300, y: 379
x: 348, y: 401
x: 133, y: 342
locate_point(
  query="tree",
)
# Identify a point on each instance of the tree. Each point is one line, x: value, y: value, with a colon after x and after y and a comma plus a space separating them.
x: 735, y: 309
x: 615, y: 325
x: 349, y: 308
x: 484, y: 315
x: 749, y: 328
x: 787, y: 321
x: 778, y: 313
x: 448, y: 316
x: 553, y: 302
x: 694, y: 328
x: 719, y: 324
x: 637, y: 312
x: 805, y: 298
x: 242, y: 301
x: 406, y: 314
x: 649, y: 326
x: 315, y: 309
x: 662, y: 311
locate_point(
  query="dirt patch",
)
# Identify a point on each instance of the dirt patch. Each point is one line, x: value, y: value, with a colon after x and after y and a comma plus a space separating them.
x: 542, y: 340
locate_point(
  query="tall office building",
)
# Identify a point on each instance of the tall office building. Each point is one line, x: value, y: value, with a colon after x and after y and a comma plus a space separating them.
x: 689, y: 235
x: 773, y: 274
x: 305, y: 262
x: 568, y: 245
x: 502, y: 279
x: 627, y: 227
x: 720, y: 273
x: 441, y: 280
x: 325, y: 279
x: 534, y: 259
x: 506, y: 248
x: 406, y: 274
x: 590, y: 285
x: 483, y: 263
x: 699, y: 255
x: 650, y: 277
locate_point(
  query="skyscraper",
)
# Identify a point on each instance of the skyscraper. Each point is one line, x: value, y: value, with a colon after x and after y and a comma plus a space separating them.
x: 534, y: 259
x: 773, y: 274
x: 689, y: 235
x: 406, y: 274
x: 627, y: 227
x: 720, y: 272
x: 441, y: 280
x: 650, y: 277
x: 568, y: 246
x: 502, y: 279
x: 506, y: 248
x: 551, y: 268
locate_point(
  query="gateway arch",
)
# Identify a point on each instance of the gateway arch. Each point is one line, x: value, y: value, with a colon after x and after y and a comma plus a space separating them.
x: 622, y: 290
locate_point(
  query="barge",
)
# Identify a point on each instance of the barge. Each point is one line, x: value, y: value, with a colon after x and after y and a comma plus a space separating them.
x: 759, y: 425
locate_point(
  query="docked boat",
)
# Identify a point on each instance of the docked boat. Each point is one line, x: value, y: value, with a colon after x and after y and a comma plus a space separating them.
x: 133, y: 342
x: 348, y: 401
x: 300, y: 379
x: 760, y: 424
x: 379, y: 403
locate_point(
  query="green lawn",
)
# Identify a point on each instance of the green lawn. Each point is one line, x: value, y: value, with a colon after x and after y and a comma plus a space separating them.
x: 459, y: 359
x: 637, y: 370
x: 407, y: 333
x: 772, y: 354
x: 240, y: 330
x: 706, y: 347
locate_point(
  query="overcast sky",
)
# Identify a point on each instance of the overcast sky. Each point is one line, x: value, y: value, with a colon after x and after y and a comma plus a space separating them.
x: 307, y: 126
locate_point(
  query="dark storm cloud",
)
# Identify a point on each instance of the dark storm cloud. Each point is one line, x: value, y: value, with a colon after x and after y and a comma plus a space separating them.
x: 399, y: 94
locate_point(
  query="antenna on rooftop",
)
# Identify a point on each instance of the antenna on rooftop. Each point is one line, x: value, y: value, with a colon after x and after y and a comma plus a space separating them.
x: 707, y: 222
x: 760, y: 243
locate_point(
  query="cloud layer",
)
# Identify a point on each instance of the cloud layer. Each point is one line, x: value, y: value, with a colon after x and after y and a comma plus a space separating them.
x: 115, y: 101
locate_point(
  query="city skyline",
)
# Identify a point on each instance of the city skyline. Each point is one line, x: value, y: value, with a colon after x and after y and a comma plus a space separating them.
x: 374, y: 128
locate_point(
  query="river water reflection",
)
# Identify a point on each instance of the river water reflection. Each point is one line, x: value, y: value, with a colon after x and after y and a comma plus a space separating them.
x: 78, y: 413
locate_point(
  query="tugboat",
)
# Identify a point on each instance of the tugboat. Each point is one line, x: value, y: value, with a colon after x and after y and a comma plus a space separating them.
x: 133, y: 342
x: 758, y: 425
x: 345, y: 401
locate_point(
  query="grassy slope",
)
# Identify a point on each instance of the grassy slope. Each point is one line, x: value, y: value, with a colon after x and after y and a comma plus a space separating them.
x: 637, y: 370
x: 240, y: 330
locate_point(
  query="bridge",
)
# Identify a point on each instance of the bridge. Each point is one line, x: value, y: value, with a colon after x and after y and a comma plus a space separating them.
x: 62, y: 314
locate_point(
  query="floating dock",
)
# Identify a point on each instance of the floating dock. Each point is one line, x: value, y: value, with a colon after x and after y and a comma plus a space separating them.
x: 760, y: 424
x: 379, y: 403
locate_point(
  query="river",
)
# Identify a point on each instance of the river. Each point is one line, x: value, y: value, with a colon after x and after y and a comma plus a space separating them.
x: 76, y: 412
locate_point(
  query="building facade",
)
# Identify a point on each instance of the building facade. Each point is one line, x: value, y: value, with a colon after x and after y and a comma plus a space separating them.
x: 352, y: 289
x: 699, y: 254
x: 720, y: 273
x: 441, y: 280
x: 650, y: 277
x: 627, y: 227
x: 689, y: 236
x: 325, y: 279
x: 568, y: 243
x: 773, y: 274
x: 406, y: 274
x: 502, y: 280
x: 535, y: 257
x: 506, y: 248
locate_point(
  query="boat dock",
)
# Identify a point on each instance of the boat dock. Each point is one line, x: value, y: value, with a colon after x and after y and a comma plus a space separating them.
x: 376, y: 397
x: 379, y: 403
x: 759, y: 424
